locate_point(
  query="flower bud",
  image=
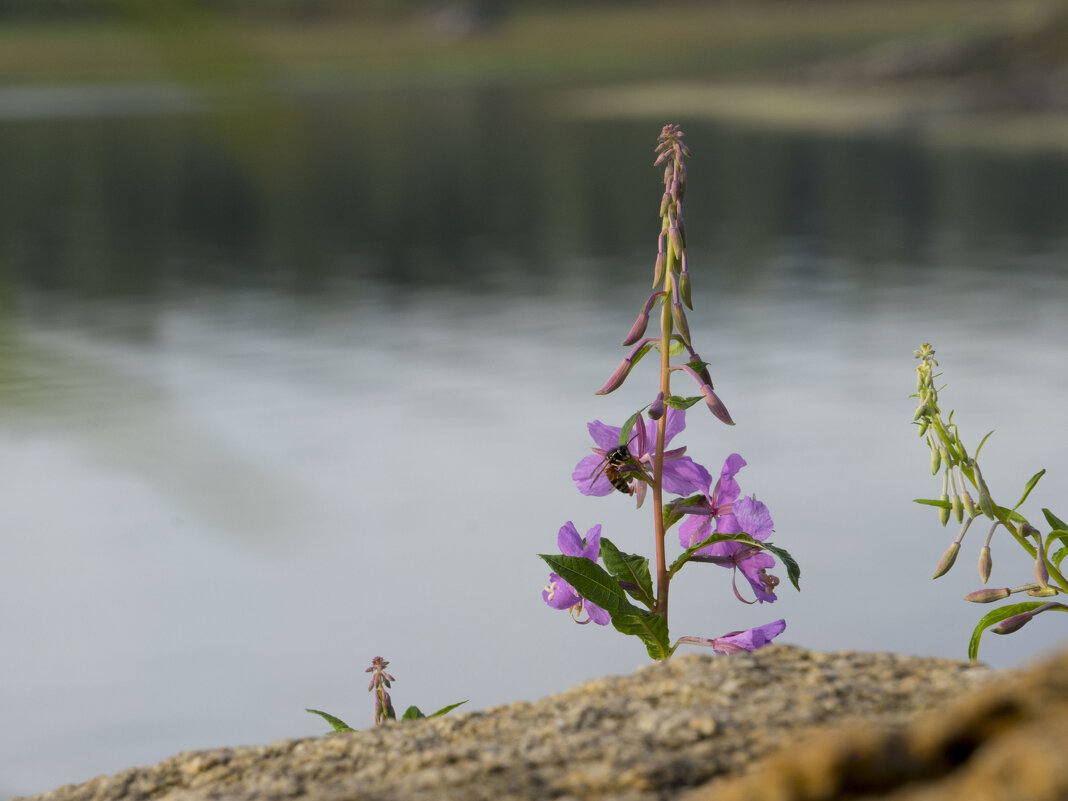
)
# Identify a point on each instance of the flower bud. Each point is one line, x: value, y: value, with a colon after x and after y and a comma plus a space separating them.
x: 656, y: 408
x: 678, y: 316
x: 684, y: 284
x: 715, y: 405
x: 615, y: 381
x: 948, y: 558
x: 936, y: 461
x: 985, y: 563
x: 958, y: 508
x: 665, y: 203
x: 659, y: 269
x: 988, y: 595
x: 969, y: 505
x: 1014, y: 623
x: 985, y: 503
x: 943, y: 511
x: 637, y: 331
x: 1041, y: 571
x: 675, y: 237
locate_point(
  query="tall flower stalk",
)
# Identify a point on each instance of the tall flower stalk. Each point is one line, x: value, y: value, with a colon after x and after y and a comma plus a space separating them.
x: 959, y: 469
x: 634, y: 459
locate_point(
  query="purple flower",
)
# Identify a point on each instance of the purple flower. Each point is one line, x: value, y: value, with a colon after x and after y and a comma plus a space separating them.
x: 558, y: 593
x: 733, y: 515
x: 748, y: 640
x: 682, y: 475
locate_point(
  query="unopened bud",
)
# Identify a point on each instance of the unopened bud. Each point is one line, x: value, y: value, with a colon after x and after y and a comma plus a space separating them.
x: 969, y: 505
x: 920, y: 411
x: 936, y: 461
x: 988, y: 595
x: 637, y: 331
x: 684, y: 284
x: 1014, y: 623
x: 958, y: 508
x: 659, y: 269
x: 986, y: 562
x: 678, y: 316
x: 948, y: 558
x: 943, y: 511
x: 1041, y: 571
x: 1042, y: 592
x: 923, y: 426
x: 615, y: 381
x: 675, y: 237
x: 715, y: 405
x: 656, y: 408
x: 985, y: 504
x: 665, y: 203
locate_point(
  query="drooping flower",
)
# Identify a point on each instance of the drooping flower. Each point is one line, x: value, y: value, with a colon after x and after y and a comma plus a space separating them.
x: 732, y: 515
x: 682, y: 475
x: 558, y: 593
x: 748, y: 640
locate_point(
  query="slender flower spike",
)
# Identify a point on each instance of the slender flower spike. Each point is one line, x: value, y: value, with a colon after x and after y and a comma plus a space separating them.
x: 682, y: 475
x: 380, y: 680
x: 558, y: 593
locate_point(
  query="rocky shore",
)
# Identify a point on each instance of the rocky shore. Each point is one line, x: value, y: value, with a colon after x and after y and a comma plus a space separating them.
x: 782, y: 723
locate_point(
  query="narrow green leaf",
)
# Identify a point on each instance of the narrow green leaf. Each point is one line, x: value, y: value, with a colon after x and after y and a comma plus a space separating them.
x: 631, y: 570
x: 672, y: 515
x: 793, y: 570
x: 412, y: 713
x: 982, y: 442
x: 446, y: 709
x: 624, y: 432
x: 1057, y: 535
x: 596, y: 585
x: 679, y: 402
x: 993, y: 618
x: 649, y: 627
x: 336, y: 722
x: 1058, y: 557
x: 589, y: 579
x: 933, y: 502
x: 685, y: 556
x: 1028, y: 487
x: 1053, y: 520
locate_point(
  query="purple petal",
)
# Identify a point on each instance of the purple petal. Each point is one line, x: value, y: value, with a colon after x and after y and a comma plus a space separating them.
x: 693, y: 529
x: 568, y: 540
x: 605, y: 436
x: 751, y: 567
x: 597, y: 614
x: 748, y: 640
x: 684, y: 476
x: 590, y: 478
x: 593, y: 544
x: 753, y: 517
x: 676, y: 422
x: 727, y: 488
x: 563, y: 597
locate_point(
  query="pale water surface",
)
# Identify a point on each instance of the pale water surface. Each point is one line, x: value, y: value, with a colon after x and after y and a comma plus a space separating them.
x: 273, y: 404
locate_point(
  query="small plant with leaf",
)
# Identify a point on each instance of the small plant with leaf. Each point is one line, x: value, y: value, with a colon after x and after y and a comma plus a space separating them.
x: 383, y: 704
x: 717, y: 525
x: 960, y: 470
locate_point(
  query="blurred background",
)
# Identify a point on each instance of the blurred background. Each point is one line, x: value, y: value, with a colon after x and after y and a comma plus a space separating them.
x: 303, y: 304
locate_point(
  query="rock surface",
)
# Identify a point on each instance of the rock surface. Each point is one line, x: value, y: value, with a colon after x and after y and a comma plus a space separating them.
x: 694, y: 723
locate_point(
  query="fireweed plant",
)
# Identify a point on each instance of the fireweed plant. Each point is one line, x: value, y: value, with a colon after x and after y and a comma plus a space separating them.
x: 959, y: 469
x: 383, y: 704
x: 715, y: 524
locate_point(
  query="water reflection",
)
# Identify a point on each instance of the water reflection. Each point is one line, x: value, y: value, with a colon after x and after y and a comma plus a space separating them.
x: 266, y: 396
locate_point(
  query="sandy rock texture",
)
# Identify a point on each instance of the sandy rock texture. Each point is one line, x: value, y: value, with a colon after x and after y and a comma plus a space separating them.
x: 698, y: 727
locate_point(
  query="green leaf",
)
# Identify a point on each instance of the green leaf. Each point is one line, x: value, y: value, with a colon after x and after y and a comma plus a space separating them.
x: 338, y: 724
x: 793, y: 570
x: 671, y: 513
x: 684, y: 557
x: 630, y: 570
x: 648, y: 626
x: 1029, y: 486
x: 995, y: 617
x: 1053, y: 520
x: 982, y: 442
x: 1052, y: 537
x: 446, y: 709
x: 412, y: 713
x: 624, y: 432
x: 596, y: 585
x: 679, y: 402
x: 933, y: 502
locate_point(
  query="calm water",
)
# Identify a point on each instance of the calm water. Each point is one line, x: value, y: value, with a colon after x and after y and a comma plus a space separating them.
x: 289, y: 387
